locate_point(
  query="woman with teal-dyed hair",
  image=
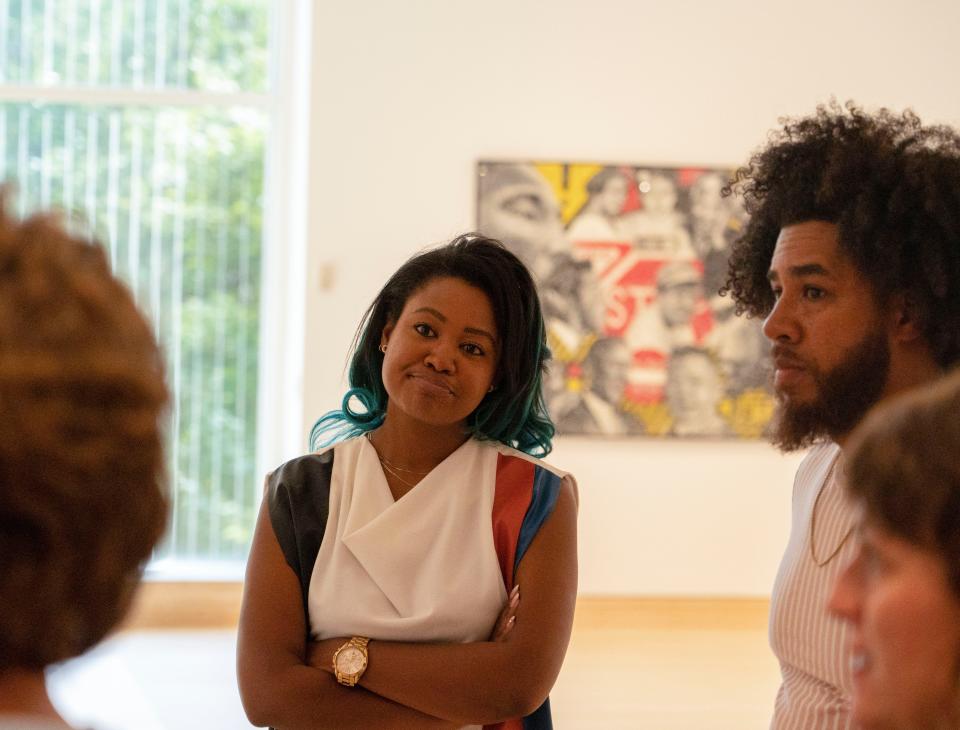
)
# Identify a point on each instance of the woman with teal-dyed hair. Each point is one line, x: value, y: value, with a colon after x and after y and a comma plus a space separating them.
x: 385, y: 577
x: 513, y: 412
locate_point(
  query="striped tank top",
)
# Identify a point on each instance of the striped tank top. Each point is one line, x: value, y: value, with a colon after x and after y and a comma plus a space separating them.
x: 810, y: 644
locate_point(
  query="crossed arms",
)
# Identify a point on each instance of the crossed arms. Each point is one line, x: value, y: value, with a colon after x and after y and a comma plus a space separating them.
x: 287, y: 684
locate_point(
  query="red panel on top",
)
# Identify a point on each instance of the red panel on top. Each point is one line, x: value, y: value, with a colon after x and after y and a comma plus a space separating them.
x: 511, y: 498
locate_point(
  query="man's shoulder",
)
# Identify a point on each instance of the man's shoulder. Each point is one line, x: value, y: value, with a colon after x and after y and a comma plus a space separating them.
x: 817, y: 462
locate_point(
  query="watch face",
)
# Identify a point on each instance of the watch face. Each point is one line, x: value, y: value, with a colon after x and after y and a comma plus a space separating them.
x: 350, y: 660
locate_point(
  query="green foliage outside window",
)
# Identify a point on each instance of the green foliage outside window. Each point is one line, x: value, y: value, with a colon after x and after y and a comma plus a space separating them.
x: 175, y: 194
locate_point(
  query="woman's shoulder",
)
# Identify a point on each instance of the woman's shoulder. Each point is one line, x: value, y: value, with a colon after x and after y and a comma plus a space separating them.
x: 565, y: 481
x: 302, y: 468
x: 508, y: 452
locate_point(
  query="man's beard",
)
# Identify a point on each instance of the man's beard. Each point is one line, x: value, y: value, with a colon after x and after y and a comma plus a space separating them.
x: 844, y: 395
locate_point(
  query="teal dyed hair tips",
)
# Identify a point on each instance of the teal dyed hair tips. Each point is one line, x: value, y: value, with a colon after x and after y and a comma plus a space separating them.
x: 514, y: 413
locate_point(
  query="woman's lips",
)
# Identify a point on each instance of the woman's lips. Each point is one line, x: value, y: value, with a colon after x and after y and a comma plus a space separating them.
x: 432, y: 384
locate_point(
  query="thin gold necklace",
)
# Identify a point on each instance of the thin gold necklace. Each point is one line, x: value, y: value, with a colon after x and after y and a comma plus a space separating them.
x: 394, y: 470
x: 396, y: 476
x: 387, y: 462
x: 813, y: 521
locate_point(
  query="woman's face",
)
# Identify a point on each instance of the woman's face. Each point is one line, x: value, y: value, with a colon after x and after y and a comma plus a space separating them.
x: 905, y: 633
x: 441, y: 354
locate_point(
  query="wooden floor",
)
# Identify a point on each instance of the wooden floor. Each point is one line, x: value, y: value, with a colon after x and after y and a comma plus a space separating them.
x: 667, y: 665
x: 632, y: 663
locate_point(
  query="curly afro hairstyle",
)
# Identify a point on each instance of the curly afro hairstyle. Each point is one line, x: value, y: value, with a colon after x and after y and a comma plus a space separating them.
x: 83, y: 495
x: 891, y: 186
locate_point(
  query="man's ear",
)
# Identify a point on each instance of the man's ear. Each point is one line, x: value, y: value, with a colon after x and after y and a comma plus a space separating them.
x: 905, y: 317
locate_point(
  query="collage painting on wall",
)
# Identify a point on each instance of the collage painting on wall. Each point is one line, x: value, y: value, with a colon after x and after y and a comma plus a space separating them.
x: 629, y: 260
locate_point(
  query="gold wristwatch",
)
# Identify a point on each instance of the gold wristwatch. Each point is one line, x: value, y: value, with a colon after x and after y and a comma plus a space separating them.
x: 350, y: 661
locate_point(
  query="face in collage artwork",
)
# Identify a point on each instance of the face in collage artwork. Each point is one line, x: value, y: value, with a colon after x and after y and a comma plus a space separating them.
x: 629, y: 261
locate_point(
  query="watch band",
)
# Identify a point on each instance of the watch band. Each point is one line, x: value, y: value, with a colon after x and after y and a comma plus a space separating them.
x: 360, y: 644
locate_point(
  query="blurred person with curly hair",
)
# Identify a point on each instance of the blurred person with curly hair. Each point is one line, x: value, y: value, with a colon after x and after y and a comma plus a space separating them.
x: 852, y: 257
x: 82, y: 487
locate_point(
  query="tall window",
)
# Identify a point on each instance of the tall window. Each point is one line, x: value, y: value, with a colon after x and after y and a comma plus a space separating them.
x: 149, y: 120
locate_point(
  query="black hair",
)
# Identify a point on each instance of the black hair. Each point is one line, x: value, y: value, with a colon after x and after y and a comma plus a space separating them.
x: 891, y: 186
x: 514, y: 413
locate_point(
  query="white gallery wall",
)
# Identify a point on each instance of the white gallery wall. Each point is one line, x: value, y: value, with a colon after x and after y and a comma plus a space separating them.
x: 406, y: 96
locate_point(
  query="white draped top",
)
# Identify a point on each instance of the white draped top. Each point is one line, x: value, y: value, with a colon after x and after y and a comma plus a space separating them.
x: 421, y: 568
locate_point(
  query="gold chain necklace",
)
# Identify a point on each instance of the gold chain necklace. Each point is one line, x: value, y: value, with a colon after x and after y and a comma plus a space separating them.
x: 813, y: 520
x: 394, y: 470
x: 396, y: 476
x: 387, y: 462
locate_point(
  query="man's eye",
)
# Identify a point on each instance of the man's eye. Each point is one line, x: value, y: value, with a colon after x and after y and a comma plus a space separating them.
x: 813, y: 292
x: 776, y: 291
x: 424, y: 329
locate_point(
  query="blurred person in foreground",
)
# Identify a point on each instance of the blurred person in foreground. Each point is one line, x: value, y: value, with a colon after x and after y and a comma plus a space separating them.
x: 82, y: 486
x: 901, y: 593
x: 852, y: 256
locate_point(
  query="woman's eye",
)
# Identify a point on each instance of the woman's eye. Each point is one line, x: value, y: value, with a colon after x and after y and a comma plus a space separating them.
x: 472, y: 349
x: 424, y: 329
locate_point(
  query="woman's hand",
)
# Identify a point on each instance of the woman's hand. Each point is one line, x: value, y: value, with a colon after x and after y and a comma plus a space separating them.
x: 507, y: 617
x: 320, y: 653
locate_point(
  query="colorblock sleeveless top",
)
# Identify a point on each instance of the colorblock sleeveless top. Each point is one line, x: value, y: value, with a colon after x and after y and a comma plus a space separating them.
x: 435, y: 565
x: 810, y: 643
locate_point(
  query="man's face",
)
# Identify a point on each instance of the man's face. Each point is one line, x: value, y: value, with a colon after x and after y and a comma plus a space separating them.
x: 678, y: 302
x: 830, y: 341
x: 613, y: 195
x: 614, y: 372
x: 693, y: 386
x: 520, y: 209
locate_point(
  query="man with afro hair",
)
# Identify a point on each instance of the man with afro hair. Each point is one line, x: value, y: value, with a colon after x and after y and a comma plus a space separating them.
x: 852, y: 257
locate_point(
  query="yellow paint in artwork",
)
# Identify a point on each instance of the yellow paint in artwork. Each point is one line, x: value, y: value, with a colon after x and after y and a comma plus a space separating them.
x: 655, y: 417
x: 562, y: 353
x: 749, y: 413
x: 569, y: 185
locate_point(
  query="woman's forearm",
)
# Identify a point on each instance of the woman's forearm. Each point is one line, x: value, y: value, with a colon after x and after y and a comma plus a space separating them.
x: 475, y: 683
x: 303, y: 698
x: 482, y: 682
x: 276, y: 686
